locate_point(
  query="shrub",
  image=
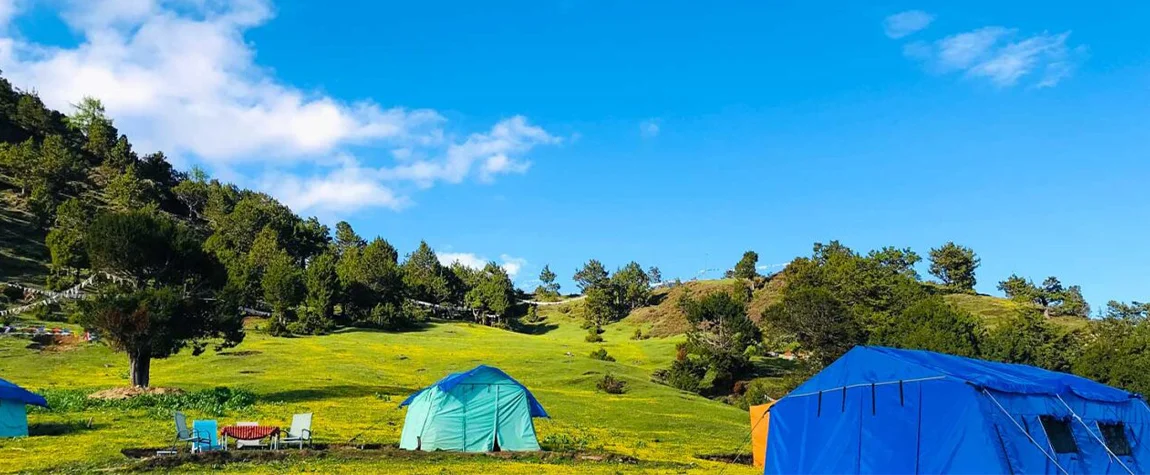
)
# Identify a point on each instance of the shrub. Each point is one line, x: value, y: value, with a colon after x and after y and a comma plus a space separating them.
x: 601, y: 354
x: 532, y: 314
x: 638, y: 335
x: 49, y: 312
x: 611, y: 385
x: 216, y: 402
x: 13, y: 294
x: 593, y: 335
x: 687, y: 375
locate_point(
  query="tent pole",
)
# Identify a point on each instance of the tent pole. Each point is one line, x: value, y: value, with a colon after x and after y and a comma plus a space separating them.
x: 1020, y: 429
x: 1092, y: 434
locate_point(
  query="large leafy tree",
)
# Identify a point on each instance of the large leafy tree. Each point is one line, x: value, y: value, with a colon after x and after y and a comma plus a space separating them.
x: 1052, y: 296
x: 818, y: 321
x: 173, y: 294
x: 868, y: 285
x: 323, y: 290
x: 548, y: 287
x: 346, y: 238
x: 424, y: 277
x: 954, y: 265
x: 492, y: 293
x: 720, y: 334
x: 283, y: 288
x: 1027, y: 338
x: 372, y: 284
x: 65, y: 240
x: 592, y: 274
x: 935, y: 325
x: 1117, y: 351
x: 601, y: 305
x: 633, y: 286
x: 745, y: 268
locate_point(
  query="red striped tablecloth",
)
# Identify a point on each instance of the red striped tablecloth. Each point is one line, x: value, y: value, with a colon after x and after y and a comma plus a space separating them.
x: 249, y: 432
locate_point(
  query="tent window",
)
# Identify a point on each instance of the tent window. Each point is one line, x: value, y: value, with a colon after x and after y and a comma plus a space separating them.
x: 1058, y: 432
x: 1114, y: 433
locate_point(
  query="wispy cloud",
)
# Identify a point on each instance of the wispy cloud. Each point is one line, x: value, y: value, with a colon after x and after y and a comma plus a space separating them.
x: 906, y: 23
x: 1001, y: 56
x: 649, y: 128
x: 181, y: 77
x: 511, y: 265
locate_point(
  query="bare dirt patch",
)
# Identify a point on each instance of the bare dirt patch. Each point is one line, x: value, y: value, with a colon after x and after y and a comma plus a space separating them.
x: 128, y: 393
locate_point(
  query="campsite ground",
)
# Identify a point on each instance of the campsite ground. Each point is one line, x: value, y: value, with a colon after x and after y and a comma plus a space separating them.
x: 354, y: 380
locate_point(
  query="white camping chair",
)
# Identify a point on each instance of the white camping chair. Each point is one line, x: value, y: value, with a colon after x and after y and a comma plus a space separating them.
x: 248, y: 443
x: 300, y: 432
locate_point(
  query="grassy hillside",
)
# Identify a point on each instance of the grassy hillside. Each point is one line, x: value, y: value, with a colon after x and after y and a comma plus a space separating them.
x: 354, y: 380
x: 664, y: 318
x: 994, y: 309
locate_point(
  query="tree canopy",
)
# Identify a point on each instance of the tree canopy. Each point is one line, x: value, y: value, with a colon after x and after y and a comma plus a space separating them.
x: 745, y: 268
x: 954, y: 265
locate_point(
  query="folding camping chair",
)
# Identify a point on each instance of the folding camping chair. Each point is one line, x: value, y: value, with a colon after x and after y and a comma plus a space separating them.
x: 208, y: 431
x: 183, y: 434
x: 300, y: 432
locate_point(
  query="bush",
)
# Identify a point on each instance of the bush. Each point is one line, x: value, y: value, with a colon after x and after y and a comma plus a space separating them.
x: 216, y: 402
x: 638, y: 335
x: 593, y: 335
x: 687, y: 375
x: 12, y: 294
x: 532, y: 315
x: 601, y: 354
x: 611, y: 385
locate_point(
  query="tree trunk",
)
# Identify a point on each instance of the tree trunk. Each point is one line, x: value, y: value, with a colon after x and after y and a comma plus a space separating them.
x: 139, y: 367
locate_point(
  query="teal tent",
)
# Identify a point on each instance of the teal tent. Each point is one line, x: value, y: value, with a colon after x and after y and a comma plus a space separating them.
x: 13, y: 410
x: 481, y: 410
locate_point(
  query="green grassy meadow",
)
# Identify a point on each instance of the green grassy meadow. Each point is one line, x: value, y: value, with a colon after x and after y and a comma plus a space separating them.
x: 354, y: 380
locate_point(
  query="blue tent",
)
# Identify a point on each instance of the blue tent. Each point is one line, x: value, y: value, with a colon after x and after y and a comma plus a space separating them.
x: 884, y: 410
x: 472, y: 411
x: 13, y: 411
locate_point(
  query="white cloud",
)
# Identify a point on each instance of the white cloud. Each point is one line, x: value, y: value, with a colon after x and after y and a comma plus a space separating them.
x: 466, y: 258
x: 8, y: 9
x: 495, y: 151
x: 511, y: 265
x: 906, y: 23
x: 1001, y: 56
x: 179, y: 76
x: 649, y: 128
x: 340, y: 191
x: 964, y: 49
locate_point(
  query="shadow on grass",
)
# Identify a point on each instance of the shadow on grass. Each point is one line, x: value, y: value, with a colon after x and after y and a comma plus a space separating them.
x: 60, y: 428
x: 541, y: 328
x: 341, y: 391
x: 657, y: 299
x: 413, y: 328
x: 773, y: 367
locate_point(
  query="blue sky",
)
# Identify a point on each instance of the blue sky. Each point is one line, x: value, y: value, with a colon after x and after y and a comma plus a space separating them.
x: 676, y: 134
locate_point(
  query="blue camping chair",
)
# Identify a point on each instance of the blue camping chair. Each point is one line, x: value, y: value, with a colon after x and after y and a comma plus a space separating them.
x: 208, y: 436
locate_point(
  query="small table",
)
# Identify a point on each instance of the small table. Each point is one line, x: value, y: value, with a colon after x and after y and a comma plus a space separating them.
x: 250, y: 433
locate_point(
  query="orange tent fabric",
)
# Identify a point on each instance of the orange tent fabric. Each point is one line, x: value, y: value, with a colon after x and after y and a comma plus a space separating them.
x: 760, y: 423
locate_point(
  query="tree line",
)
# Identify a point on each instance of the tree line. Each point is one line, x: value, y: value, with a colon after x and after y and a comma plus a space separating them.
x: 189, y: 250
